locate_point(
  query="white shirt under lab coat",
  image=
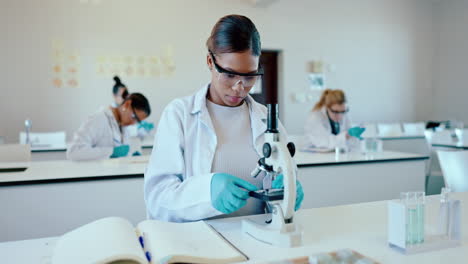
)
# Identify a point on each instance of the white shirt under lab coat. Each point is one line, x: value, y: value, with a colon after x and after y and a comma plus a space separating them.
x: 318, y: 131
x: 97, y: 137
x: 178, y: 176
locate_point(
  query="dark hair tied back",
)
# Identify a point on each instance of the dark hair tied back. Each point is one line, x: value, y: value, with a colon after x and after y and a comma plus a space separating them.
x: 139, y: 102
x: 234, y: 33
x: 118, y: 84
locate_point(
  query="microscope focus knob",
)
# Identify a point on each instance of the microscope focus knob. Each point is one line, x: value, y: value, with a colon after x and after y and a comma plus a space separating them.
x: 266, y: 150
x: 291, y: 148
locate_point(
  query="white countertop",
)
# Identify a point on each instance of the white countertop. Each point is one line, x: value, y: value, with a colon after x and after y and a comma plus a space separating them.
x: 451, y: 144
x: 132, y: 166
x: 402, y: 136
x: 68, y: 170
x: 14, y: 165
x: 297, y: 137
x: 361, y: 227
x: 146, y: 143
x: 330, y: 158
x: 48, y: 147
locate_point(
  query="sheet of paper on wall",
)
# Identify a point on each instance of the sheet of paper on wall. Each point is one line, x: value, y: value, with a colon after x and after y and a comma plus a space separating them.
x: 316, y: 81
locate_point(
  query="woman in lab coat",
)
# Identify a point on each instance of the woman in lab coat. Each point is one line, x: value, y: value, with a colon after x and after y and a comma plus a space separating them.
x: 119, y: 92
x: 104, y: 135
x: 207, y: 144
x: 328, y: 125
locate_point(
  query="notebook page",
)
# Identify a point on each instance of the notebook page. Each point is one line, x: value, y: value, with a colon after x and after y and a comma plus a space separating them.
x: 102, y: 241
x: 196, y: 241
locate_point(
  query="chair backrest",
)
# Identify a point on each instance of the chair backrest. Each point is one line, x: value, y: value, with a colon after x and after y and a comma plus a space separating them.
x: 462, y: 134
x: 15, y: 153
x: 390, y: 130
x: 454, y: 166
x: 44, y: 139
x: 414, y: 129
x: 444, y: 136
x: 371, y: 131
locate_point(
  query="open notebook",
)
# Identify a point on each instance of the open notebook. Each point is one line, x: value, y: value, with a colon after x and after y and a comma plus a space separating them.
x: 115, y: 240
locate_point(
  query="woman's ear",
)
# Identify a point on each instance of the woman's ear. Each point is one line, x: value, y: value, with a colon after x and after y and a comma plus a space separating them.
x: 209, y: 61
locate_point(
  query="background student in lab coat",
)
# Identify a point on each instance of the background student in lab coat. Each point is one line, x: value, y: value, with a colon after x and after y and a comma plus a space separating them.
x: 207, y: 144
x: 103, y: 135
x: 328, y: 124
x: 119, y: 93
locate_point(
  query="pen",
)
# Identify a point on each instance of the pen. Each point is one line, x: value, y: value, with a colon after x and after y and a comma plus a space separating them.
x: 142, y: 243
x: 148, y: 256
x: 147, y: 253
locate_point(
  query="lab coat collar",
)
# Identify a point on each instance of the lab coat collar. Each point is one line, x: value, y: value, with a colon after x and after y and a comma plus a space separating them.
x: 110, y: 115
x: 200, y: 100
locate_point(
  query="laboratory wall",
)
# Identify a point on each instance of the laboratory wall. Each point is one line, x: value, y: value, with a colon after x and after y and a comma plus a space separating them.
x: 57, y: 55
x: 451, y: 56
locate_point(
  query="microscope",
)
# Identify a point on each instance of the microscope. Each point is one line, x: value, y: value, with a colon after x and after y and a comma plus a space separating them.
x: 282, y: 230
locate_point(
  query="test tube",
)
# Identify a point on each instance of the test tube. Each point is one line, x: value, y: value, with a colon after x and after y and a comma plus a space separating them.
x: 420, y: 204
x: 337, y: 153
x: 410, y: 202
x: 445, y: 212
x: 412, y: 212
x: 404, y: 200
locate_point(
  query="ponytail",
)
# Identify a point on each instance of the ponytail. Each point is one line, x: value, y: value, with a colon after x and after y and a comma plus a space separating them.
x: 118, y: 84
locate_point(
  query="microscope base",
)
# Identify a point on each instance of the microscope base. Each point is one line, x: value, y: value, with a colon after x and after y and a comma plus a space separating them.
x: 287, y: 235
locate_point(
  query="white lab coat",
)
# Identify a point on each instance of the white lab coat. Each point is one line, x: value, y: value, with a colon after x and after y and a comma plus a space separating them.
x: 318, y: 131
x: 178, y: 176
x: 97, y: 137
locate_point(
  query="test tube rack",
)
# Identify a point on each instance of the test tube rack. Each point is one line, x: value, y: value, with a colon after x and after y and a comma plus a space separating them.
x: 397, y: 217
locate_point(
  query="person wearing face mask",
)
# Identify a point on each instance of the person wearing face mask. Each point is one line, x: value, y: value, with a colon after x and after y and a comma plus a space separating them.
x: 207, y: 144
x: 103, y: 134
x: 328, y: 125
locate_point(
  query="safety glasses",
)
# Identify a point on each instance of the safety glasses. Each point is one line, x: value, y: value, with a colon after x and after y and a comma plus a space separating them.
x: 232, y: 78
x: 339, y: 112
x: 134, y: 116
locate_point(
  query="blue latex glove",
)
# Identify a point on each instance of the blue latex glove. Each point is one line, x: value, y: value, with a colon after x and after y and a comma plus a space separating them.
x: 356, y: 132
x: 120, y: 151
x: 278, y: 184
x: 146, y: 125
x: 229, y: 193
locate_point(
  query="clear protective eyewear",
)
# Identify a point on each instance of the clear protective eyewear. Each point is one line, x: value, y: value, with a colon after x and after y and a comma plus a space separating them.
x: 339, y: 112
x: 134, y: 116
x: 233, y: 78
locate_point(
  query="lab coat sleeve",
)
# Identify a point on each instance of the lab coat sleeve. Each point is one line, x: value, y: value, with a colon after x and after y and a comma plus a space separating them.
x: 85, y: 139
x: 169, y: 194
x: 317, y: 133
